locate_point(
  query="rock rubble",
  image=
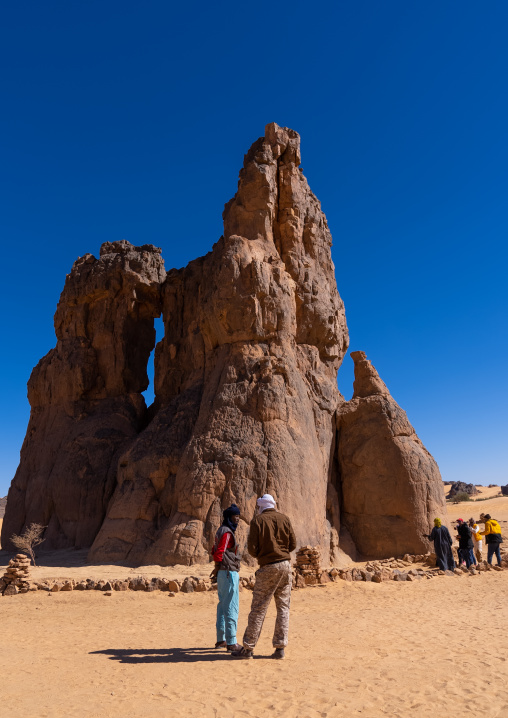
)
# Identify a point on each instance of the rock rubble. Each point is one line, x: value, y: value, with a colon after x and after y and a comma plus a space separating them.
x: 308, y: 565
x: 16, y: 577
x: 408, y: 568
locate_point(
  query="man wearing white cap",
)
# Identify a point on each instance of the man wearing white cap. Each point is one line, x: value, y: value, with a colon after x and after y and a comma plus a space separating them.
x: 271, y: 540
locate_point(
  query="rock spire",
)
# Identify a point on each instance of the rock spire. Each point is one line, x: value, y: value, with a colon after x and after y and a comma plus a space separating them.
x: 246, y: 385
x: 391, y: 486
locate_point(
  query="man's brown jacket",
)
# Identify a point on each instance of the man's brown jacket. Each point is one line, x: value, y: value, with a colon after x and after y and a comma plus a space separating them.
x: 271, y: 537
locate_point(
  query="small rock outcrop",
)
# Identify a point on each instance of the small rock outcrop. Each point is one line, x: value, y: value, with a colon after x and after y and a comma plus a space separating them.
x: 459, y: 487
x: 504, y: 490
x: 16, y: 576
x: 85, y: 395
x: 391, y: 486
x: 308, y: 565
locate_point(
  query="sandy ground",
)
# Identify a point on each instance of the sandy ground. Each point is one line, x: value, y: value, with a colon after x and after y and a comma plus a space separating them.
x: 497, y: 508
x: 394, y: 649
x: 486, y: 492
x: 356, y: 649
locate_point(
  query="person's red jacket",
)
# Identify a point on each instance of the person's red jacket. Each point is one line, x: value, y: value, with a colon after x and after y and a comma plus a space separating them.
x: 227, y: 541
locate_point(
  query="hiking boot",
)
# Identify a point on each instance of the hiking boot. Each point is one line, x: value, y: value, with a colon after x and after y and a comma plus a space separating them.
x: 279, y: 653
x: 234, y: 647
x: 221, y: 644
x: 242, y: 653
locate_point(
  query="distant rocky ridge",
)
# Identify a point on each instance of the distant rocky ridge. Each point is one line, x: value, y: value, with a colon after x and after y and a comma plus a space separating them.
x: 460, y: 487
x: 3, y: 504
x: 246, y: 397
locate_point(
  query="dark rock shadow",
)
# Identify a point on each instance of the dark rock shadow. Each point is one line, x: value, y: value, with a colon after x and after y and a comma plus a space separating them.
x: 166, y: 655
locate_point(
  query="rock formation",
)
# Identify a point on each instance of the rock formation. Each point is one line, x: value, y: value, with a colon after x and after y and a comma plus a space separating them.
x: 459, y: 487
x: 245, y: 383
x: 390, y: 485
x: 85, y: 395
x: 245, y: 403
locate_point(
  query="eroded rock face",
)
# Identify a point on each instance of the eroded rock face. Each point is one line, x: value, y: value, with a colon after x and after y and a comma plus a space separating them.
x: 459, y: 487
x: 391, y: 485
x: 245, y: 378
x: 246, y: 397
x: 85, y: 395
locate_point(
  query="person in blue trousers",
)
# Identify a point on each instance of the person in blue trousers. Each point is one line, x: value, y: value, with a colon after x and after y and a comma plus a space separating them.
x: 227, y: 566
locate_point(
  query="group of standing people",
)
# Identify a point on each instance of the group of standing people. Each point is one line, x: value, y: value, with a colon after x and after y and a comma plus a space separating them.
x: 470, y: 542
x: 271, y: 540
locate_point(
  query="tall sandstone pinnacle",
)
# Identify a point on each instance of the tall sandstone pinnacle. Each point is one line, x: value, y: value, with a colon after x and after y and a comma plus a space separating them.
x: 246, y: 397
x: 390, y: 485
x: 246, y: 389
x: 85, y: 395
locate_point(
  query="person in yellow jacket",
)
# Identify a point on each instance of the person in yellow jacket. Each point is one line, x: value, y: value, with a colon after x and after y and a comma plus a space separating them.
x: 477, y: 539
x: 493, y: 538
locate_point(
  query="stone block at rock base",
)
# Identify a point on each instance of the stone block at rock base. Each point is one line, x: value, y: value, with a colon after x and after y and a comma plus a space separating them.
x: 310, y: 580
x: 137, y: 584
x: 398, y: 576
x: 299, y: 581
x: 187, y: 585
x: 325, y: 578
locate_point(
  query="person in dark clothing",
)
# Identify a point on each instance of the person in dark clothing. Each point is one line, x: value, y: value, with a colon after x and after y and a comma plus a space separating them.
x: 442, y: 546
x: 466, y: 544
x: 226, y: 571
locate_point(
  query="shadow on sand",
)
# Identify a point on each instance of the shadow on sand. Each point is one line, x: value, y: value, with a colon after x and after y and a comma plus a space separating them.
x: 166, y: 655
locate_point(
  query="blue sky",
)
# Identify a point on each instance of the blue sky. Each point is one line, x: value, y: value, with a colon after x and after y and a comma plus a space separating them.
x: 130, y: 120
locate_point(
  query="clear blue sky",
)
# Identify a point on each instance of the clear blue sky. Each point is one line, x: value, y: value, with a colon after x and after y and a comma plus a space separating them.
x: 130, y: 120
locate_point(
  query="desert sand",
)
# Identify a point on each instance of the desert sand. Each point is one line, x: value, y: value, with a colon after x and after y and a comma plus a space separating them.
x: 390, y: 649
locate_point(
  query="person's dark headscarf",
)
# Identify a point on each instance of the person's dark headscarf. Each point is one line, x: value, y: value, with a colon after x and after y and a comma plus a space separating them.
x: 228, y: 514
